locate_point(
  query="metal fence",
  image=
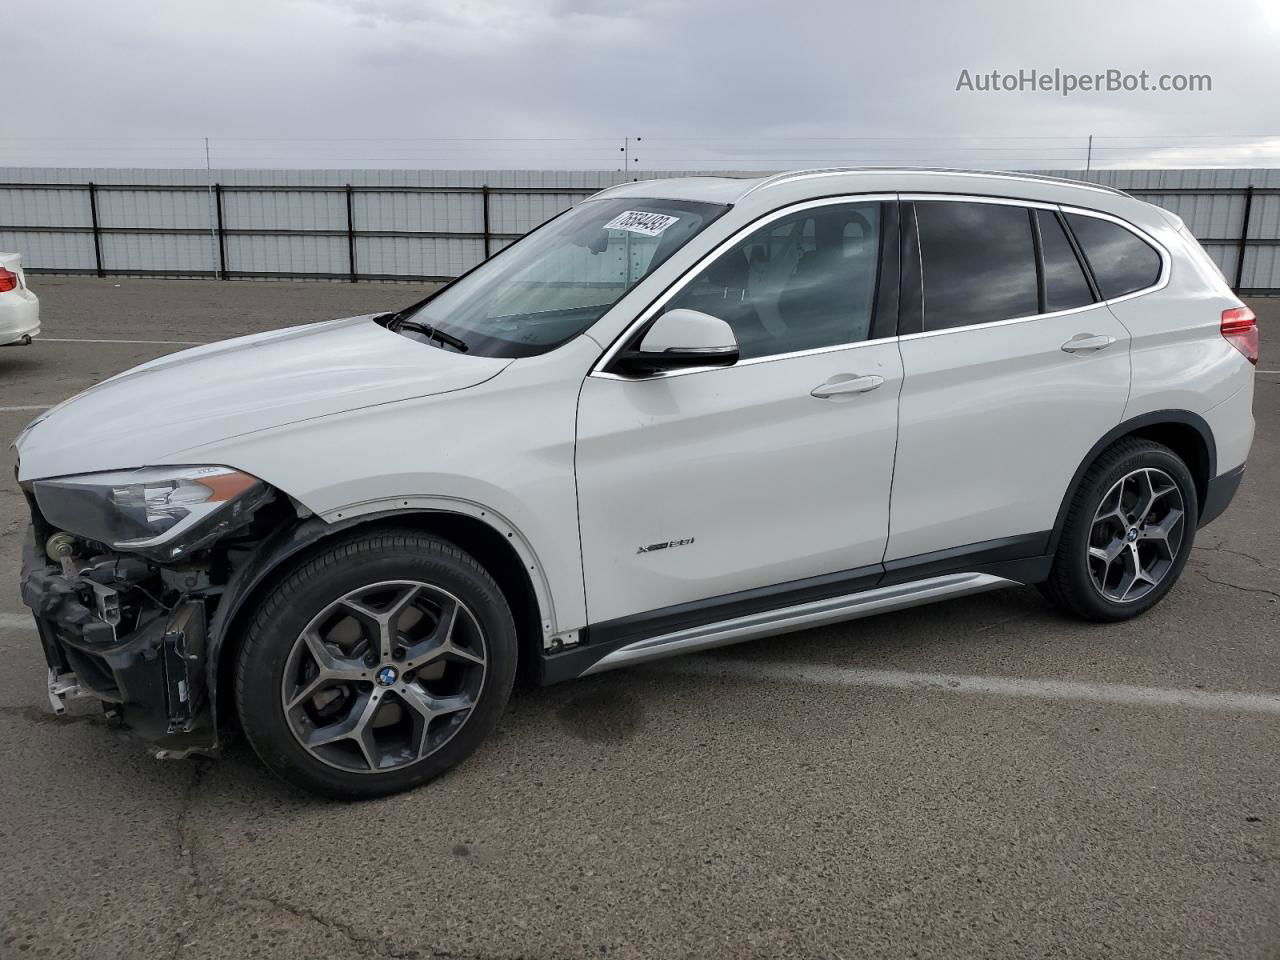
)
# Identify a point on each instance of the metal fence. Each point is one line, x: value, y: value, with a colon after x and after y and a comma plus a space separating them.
x: 346, y: 263
x: 433, y: 225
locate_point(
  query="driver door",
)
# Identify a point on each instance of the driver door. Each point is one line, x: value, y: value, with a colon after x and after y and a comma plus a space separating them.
x: 769, y: 479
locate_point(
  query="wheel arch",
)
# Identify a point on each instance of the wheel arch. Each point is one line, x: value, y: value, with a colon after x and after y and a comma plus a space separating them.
x: 484, y: 534
x: 1185, y: 433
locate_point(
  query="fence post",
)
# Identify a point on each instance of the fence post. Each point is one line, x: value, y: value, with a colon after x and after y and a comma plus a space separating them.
x: 97, y: 230
x: 222, y: 233
x: 351, y: 233
x: 1244, y: 237
x: 484, y: 201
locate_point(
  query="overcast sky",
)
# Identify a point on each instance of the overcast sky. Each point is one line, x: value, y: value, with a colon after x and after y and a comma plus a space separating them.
x: 554, y: 83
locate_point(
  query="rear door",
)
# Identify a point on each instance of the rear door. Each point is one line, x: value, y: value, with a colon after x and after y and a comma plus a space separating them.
x: 1012, y: 371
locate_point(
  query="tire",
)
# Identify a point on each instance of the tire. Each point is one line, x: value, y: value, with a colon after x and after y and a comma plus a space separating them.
x: 394, y: 599
x: 1090, y: 586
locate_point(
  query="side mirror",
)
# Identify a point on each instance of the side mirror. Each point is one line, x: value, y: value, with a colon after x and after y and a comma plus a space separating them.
x: 680, y: 339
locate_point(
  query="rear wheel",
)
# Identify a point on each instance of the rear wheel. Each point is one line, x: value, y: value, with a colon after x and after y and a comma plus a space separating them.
x: 1128, y: 533
x: 375, y: 666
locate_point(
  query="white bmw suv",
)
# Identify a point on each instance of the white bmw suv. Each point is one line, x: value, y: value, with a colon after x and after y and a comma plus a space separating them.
x: 684, y: 413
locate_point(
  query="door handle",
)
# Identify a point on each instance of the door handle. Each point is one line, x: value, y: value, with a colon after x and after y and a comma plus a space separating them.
x: 1087, y: 343
x: 843, y: 384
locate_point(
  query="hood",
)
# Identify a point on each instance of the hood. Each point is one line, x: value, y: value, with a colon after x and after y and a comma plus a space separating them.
x: 222, y: 390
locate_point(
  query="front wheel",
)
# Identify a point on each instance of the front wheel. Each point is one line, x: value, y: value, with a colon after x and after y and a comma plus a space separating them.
x: 376, y: 665
x: 1128, y: 533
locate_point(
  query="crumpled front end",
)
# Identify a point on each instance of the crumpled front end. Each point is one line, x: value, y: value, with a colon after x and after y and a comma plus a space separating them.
x: 106, y: 634
x: 130, y: 631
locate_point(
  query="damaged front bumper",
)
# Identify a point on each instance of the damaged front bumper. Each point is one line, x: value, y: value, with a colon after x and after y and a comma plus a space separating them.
x: 105, y: 634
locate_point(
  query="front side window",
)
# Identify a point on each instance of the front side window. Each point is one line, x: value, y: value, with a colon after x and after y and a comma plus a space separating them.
x: 804, y: 281
x: 558, y: 281
x: 1120, y: 261
x: 979, y: 263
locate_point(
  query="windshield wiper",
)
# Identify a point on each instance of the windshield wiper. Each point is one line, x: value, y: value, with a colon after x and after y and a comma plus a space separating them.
x: 429, y: 332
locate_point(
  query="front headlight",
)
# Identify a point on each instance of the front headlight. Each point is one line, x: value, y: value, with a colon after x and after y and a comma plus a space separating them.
x: 160, y: 512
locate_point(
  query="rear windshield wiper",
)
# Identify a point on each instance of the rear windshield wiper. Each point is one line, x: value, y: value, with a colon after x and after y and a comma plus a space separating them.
x: 429, y: 332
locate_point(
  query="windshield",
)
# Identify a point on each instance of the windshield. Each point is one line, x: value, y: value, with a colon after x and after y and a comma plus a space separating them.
x: 560, y: 279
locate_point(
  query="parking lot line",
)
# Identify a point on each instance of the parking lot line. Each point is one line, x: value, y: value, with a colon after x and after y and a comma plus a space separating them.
x: 1116, y: 693
x: 16, y: 621
x: 188, y: 343
x: 43, y: 406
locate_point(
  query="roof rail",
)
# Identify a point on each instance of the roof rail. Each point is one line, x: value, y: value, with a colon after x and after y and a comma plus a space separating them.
x: 836, y: 171
x: 603, y: 190
x: 692, y: 176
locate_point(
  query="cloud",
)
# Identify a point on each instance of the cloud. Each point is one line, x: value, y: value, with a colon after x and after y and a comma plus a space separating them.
x: 716, y: 83
x: 483, y: 25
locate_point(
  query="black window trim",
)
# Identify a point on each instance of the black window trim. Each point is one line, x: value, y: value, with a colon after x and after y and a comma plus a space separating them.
x: 911, y: 283
x: 885, y: 297
x: 1037, y: 244
x: 1080, y: 257
x: 1081, y: 262
x: 911, y: 317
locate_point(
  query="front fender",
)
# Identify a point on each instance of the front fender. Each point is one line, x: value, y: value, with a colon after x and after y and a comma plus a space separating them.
x: 392, y: 506
x: 291, y: 539
x: 284, y: 542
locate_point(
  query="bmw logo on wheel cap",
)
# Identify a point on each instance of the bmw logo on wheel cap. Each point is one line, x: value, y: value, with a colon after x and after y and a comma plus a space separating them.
x: 387, y: 676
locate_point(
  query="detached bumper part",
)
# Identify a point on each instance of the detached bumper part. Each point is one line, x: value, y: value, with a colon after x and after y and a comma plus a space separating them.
x: 62, y: 687
x: 154, y: 674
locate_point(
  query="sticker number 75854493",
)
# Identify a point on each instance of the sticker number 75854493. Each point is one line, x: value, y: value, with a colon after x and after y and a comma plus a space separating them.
x: 637, y: 221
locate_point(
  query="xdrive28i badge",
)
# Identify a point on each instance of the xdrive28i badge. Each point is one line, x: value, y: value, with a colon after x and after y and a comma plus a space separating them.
x: 653, y: 547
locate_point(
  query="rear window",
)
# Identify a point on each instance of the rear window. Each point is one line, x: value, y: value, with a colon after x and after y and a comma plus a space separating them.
x: 1120, y: 261
x: 979, y: 263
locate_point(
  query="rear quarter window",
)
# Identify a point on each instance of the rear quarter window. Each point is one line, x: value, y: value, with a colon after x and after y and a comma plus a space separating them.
x: 1120, y: 260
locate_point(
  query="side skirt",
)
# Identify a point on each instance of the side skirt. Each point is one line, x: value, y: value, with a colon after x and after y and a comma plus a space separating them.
x: 800, y: 604
x: 800, y: 617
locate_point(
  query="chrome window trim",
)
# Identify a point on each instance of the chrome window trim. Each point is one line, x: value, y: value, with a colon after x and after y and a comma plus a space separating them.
x: 835, y: 348
x: 970, y: 198
x: 1166, y: 265
x: 1000, y: 323
x: 598, y: 369
x: 1166, y: 260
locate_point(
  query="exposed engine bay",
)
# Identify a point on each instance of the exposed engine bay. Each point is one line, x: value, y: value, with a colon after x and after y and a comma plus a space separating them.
x: 133, y: 630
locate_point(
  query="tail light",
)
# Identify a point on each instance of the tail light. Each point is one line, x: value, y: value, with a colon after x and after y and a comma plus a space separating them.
x: 8, y: 280
x: 1240, y: 329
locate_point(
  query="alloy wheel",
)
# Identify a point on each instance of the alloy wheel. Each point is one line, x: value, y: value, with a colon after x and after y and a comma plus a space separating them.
x: 384, y: 676
x: 1136, y: 534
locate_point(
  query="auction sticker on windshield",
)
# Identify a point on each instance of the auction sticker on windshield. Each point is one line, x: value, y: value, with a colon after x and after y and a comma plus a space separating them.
x: 637, y: 221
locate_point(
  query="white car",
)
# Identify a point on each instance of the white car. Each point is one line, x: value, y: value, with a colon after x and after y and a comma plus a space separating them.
x: 684, y: 413
x: 19, y: 307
